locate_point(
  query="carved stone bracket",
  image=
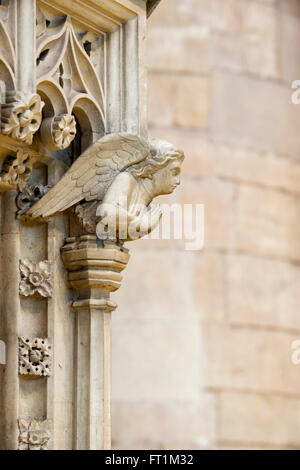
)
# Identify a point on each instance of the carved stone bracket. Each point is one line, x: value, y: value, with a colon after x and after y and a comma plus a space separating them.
x: 34, y: 356
x: 15, y: 171
x: 94, y: 267
x: 33, y: 435
x: 21, y: 116
x: 36, y: 278
x: 58, y: 132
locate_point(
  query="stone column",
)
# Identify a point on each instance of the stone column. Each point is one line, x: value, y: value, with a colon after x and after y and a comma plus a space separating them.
x: 93, y: 272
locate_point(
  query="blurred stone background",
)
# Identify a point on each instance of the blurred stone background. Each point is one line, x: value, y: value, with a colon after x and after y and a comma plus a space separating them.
x: 202, y: 340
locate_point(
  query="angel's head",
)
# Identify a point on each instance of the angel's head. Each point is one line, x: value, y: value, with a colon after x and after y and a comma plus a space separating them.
x: 162, y: 166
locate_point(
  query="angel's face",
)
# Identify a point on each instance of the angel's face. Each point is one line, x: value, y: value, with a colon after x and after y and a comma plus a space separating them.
x: 168, y: 177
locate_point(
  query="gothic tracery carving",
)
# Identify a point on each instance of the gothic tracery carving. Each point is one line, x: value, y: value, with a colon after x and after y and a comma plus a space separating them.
x: 66, y: 70
x: 34, y: 356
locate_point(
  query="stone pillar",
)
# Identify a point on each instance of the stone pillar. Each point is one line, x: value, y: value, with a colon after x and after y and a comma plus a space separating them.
x: 93, y: 273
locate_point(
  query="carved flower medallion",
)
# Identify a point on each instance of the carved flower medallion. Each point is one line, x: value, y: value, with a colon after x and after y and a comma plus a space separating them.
x: 16, y: 170
x: 22, y: 116
x: 36, y: 278
x: 33, y: 435
x: 64, y: 130
x: 58, y: 132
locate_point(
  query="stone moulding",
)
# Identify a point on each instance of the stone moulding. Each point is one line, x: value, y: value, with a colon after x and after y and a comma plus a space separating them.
x: 36, y: 278
x: 35, y: 356
x: 33, y: 434
x: 15, y: 171
x: 21, y: 116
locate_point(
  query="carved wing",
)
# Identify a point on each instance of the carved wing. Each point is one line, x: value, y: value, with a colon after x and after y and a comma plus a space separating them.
x: 92, y: 173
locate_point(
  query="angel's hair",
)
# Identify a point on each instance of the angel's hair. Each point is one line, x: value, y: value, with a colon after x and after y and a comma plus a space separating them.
x: 161, y: 154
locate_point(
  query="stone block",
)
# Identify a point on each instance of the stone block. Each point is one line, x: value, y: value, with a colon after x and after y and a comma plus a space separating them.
x: 262, y: 292
x: 155, y: 360
x: 178, y: 100
x: 175, y: 13
x: 156, y: 425
x: 259, y: 419
x: 164, y: 282
x: 248, y: 359
x: 251, y: 113
x: 209, y: 287
x: 290, y: 7
x: 245, y: 37
x: 179, y: 49
x: 205, y: 158
x: 267, y: 223
x: 218, y: 198
x: 289, y: 47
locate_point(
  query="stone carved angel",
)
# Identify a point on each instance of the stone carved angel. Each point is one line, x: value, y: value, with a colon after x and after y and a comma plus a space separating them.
x: 112, y: 185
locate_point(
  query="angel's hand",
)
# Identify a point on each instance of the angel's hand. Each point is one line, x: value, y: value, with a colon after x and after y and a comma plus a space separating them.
x: 146, y: 221
x: 155, y: 213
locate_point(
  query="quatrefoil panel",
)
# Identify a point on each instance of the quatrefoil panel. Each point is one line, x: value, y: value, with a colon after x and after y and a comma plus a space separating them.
x: 35, y: 356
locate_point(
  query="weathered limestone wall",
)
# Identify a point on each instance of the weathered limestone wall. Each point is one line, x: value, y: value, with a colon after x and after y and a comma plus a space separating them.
x: 202, y: 340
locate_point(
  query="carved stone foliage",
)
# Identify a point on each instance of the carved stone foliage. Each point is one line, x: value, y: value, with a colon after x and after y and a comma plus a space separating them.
x: 33, y: 435
x: 68, y: 75
x: 58, y: 132
x: 21, y: 116
x: 34, y: 356
x: 31, y: 194
x: 36, y: 278
x: 15, y: 171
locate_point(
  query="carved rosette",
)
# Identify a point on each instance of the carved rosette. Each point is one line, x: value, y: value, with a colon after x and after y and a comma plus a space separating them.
x: 21, y: 116
x: 36, y: 278
x: 58, y: 132
x: 34, y: 356
x: 15, y: 171
x: 33, y: 435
